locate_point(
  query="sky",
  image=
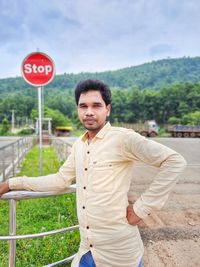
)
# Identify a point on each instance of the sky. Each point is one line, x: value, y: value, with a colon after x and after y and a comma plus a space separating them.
x: 97, y: 35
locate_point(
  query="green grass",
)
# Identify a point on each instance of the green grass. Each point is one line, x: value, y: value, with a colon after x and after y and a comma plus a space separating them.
x: 40, y: 215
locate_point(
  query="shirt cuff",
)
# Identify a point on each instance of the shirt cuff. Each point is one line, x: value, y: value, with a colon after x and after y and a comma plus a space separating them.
x: 16, y: 183
x: 141, y: 210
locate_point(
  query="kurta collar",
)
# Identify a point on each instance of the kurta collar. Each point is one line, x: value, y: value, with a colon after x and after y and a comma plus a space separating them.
x: 100, y: 134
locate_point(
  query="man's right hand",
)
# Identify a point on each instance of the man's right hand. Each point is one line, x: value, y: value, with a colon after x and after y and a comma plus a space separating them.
x: 4, y: 188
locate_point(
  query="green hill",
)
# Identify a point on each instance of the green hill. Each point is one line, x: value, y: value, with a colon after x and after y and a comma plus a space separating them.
x: 162, y: 90
x: 155, y: 75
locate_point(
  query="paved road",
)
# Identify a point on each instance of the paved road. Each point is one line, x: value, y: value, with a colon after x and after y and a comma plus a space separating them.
x: 5, y: 140
x: 188, y: 147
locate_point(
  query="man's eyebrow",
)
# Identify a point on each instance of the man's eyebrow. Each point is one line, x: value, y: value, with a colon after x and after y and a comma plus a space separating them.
x: 97, y: 103
x: 94, y: 103
x: 82, y: 103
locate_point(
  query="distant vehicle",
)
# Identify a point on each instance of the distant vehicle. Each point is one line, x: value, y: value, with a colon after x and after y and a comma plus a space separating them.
x: 63, y: 130
x: 184, y: 130
x: 148, y: 128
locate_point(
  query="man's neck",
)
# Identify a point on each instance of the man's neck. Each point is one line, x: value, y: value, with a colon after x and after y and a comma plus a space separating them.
x: 92, y: 134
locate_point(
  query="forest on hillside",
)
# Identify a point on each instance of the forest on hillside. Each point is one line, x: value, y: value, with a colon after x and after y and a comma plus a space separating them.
x: 166, y: 90
x: 154, y: 75
x: 173, y: 104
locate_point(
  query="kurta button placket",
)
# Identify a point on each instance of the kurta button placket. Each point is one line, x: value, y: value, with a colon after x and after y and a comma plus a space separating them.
x: 85, y: 184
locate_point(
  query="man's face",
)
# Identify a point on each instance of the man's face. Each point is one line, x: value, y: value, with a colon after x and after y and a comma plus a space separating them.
x: 92, y: 110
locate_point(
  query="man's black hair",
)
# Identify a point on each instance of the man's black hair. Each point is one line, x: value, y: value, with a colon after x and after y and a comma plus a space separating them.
x: 96, y: 85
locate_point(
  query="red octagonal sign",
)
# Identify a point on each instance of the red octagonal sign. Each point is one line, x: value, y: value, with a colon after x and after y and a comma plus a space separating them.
x: 38, y: 69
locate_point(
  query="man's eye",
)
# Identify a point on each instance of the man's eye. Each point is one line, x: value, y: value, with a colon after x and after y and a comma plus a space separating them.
x: 97, y: 106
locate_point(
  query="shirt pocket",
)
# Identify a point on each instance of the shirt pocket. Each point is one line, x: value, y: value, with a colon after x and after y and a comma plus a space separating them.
x: 103, y: 178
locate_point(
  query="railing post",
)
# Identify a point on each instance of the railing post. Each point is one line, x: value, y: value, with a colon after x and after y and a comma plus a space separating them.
x: 18, y: 154
x: 11, y: 156
x: 23, y: 149
x: 4, y: 164
x: 12, y: 231
x: 13, y: 159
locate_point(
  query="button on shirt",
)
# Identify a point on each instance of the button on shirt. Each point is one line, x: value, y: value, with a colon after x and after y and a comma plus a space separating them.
x: 103, y: 171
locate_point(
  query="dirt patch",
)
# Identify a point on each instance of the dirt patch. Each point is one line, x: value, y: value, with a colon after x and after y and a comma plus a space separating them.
x: 172, y: 253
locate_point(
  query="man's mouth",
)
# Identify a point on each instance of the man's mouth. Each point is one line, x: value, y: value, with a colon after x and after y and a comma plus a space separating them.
x: 89, y: 120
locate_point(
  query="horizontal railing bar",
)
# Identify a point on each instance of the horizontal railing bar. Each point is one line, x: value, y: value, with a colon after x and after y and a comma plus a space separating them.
x: 60, y: 262
x: 16, y: 141
x: 18, y: 195
x: 18, y: 237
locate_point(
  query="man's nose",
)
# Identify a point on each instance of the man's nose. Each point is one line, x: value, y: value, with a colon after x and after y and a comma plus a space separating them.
x: 89, y: 112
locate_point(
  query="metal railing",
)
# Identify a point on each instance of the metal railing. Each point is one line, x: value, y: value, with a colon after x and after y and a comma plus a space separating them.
x: 11, y: 155
x: 15, y: 196
x: 62, y: 148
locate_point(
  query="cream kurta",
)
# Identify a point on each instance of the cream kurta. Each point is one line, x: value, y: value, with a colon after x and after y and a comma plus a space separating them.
x: 103, y: 171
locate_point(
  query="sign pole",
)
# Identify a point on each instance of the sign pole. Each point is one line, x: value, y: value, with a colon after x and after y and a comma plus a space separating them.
x: 40, y: 124
x: 38, y: 69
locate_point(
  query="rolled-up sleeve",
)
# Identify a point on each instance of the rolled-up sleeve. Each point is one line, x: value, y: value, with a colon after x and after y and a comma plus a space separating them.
x: 170, y: 163
x: 53, y: 182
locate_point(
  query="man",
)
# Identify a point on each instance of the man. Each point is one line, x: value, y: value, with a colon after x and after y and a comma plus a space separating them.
x: 102, y: 161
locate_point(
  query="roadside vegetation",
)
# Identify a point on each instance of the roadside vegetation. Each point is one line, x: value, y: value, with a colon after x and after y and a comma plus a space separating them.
x: 177, y: 104
x: 41, y: 215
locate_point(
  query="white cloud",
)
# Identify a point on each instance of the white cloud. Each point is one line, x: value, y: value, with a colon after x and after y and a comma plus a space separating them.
x: 96, y: 35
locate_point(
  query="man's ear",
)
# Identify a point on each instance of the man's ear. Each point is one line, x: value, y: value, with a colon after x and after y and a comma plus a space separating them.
x: 108, y: 107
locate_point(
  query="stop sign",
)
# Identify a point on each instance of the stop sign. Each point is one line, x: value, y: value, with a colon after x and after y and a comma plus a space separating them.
x: 38, y: 69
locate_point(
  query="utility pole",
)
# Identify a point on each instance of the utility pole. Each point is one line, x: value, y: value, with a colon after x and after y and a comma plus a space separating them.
x: 13, y: 120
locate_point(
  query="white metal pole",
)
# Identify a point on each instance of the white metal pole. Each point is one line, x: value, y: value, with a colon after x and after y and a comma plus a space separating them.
x: 40, y: 124
x: 12, y: 231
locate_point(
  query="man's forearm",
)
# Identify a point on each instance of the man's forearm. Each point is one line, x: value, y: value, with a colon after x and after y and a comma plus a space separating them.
x: 155, y: 197
x: 52, y: 182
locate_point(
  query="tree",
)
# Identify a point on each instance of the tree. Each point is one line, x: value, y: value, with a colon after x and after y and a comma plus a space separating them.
x: 58, y: 119
x: 5, y: 126
x: 192, y: 118
x: 174, y: 120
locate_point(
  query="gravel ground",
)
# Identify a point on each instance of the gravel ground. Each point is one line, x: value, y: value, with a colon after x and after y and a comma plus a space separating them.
x: 172, y: 235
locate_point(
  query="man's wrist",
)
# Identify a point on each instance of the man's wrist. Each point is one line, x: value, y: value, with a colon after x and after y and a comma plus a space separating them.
x: 140, y: 210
